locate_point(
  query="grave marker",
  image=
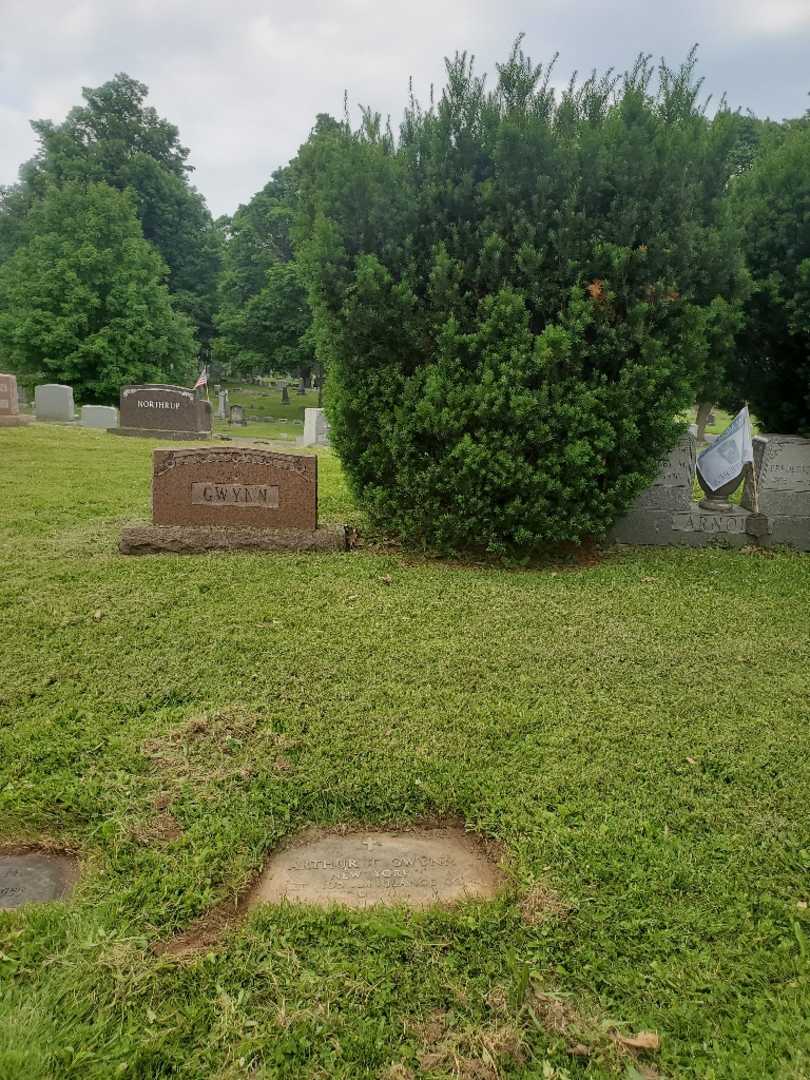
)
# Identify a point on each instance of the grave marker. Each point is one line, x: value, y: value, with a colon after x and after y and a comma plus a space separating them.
x: 10, y: 415
x: 157, y: 411
x: 98, y: 416
x: 34, y: 877
x: 52, y: 401
x: 359, y: 869
x: 316, y: 428
x: 233, y: 497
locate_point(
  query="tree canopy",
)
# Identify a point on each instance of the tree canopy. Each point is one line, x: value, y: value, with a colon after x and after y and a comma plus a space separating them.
x: 83, y: 299
x: 115, y: 138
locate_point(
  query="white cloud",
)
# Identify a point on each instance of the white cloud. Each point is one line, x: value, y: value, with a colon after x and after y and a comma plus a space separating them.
x: 244, y: 80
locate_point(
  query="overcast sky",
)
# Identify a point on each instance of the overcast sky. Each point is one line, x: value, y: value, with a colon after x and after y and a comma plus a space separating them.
x: 244, y: 80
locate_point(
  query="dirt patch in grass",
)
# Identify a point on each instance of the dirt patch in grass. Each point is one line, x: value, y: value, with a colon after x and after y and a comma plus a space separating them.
x: 541, y: 904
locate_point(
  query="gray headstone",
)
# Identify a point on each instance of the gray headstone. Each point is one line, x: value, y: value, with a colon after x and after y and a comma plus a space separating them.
x: 222, y: 405
x: 238, y: 415
x: 34, y: 878
x: 672, y: 487
x: 98, y: 416
x: 316, y: 428
x: 782, y: 464
x: 54, y: 402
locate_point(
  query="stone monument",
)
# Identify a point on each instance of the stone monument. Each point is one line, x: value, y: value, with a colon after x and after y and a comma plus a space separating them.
x: 779, y: 488
x: 665, y: 514
x: 316, y: 428
x: 98, y: 416
x: 10, y: 415
x: 222, y: 405
x: 237, y: 416
x: 52, y: 401
x: 231, y: 498
x: 155, y: 411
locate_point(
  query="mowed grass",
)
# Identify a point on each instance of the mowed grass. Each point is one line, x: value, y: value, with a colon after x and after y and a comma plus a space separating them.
x: 633, y: 733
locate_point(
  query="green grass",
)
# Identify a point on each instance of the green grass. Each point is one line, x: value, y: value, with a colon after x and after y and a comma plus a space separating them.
x: 635, y: 734
x: 266, y: 401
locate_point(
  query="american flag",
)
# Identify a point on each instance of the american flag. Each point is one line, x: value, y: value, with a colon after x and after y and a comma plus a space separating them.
x: 203, y: 379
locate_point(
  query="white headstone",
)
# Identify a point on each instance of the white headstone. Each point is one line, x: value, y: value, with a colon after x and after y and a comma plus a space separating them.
x: 98, y: 416
x: 316, y: 428
x: 54, y: 402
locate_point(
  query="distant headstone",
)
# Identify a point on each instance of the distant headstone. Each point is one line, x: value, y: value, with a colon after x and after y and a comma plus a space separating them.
x: 238, y: 416
x: 53, y: 401
x: 302, y: 387
x: 417, y: 868
x: 157, y: 411
x: 34, y: 878
x: 98, y: 416
x: 222, y: 405
x: 316, y: 428
x: 233, y: 497
x: 10, y: 415
x: 285, y: 394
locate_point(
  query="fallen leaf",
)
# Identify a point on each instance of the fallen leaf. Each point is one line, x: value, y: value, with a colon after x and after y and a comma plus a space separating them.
x: 645, y: 1040
x: 97, y: 615
x: 691, y: 761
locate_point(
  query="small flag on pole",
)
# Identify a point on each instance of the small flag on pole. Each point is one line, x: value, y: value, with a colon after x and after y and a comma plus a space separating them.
x: 203, y: 379
x: 725, y: 458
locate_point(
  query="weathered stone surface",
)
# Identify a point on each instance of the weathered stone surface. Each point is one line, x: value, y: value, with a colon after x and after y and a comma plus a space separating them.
x: 782, y: 464
x: 316, y: 428
x: 237, y: 416
x: 98, y: 416
x: 54, y: 402
x: 35, y: 877
x: 165, y: 412
x: 359, y: 869
x: 791, y: 531
x: 9, y: 398
x: 672, y: 487
x: 240, y: 486
x: 685, y: 528
x: 197, y: 539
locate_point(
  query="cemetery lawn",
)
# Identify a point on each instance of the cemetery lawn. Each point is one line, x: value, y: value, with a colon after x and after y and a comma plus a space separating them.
x: 633, y: 734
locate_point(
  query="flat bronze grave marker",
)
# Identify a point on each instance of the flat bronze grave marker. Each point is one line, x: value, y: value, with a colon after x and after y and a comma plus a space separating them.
x: 35, y: 878
x: 359, y: 869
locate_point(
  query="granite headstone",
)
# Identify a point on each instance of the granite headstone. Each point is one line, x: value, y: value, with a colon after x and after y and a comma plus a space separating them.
x: 98, y: 416
x: 10, y: 415
x: 164, y: 412
x: 316, y: 428
x: 52, y: 401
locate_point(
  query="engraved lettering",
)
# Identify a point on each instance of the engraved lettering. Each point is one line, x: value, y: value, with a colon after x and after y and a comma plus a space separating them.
x: 212, y: 494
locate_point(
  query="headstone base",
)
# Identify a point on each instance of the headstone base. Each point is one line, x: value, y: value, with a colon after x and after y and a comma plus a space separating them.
x: 156, y: 433
x: 16, y: 421
x: 196, y: 539
x: 694, y: 527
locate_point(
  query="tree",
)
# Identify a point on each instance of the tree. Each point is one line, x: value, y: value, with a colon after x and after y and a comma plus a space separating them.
x: 83, y: 299
x: 515, y: 298
x: 263, y: 319
x: 771, y: 204
x: 117, y: 139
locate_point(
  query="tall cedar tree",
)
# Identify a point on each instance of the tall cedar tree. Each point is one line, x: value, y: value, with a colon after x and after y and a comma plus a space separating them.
x: 516, y: 298
x: 83, y: 299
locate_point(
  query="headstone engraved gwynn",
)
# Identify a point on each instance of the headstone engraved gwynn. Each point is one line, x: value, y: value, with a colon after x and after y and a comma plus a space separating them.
x: 232, y: 497
x: 10, y: 415
x: 156, y: 411
x: 358, y: 869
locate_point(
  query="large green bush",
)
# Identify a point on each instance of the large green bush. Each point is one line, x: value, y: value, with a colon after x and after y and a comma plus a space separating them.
x: 515, y: 297
x: 771, y: 206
